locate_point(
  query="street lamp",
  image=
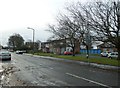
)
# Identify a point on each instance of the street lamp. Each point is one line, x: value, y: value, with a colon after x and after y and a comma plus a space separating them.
x: 33, y: 37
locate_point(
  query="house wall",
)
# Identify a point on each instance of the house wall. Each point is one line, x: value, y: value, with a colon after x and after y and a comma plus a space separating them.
x: 77, y: 47
x: 109, y: 49
x: 62, y: 50
x: 59, y: 46
x: 68, y: 49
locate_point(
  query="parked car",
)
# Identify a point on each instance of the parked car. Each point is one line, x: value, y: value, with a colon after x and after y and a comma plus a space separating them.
x: 104, y: 54
x: 5, y: 55
x: 113, y: 55
x: 19, y: 52
x: 68, y: 53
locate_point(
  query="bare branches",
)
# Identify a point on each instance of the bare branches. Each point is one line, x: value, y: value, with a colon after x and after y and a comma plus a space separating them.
x: 100, y: 19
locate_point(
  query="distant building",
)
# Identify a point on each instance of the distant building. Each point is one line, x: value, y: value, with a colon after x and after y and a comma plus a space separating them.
x: 91, y: 50
x: 29, y: 45
x: 54, y: 46
x: 59, y: 46
x: 107, y: 47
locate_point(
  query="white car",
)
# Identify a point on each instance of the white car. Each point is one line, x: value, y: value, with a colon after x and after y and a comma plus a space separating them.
x: 104, y: 54
x: 19, y: 52
x: 5, y: 55
x: 113, y: 55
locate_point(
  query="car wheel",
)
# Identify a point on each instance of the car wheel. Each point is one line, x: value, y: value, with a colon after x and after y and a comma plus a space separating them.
x: 9, y: 59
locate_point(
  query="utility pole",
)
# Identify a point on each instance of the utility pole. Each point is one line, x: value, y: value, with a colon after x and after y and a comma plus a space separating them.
x: 88, y: 40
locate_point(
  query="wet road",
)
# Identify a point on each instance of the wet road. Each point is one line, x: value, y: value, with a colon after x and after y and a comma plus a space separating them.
x: 46, y: 72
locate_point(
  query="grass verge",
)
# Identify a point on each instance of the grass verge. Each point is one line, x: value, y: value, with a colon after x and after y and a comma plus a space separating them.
x: 105, y: 61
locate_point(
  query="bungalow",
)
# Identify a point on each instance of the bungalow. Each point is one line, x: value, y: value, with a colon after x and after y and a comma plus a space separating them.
x: 107, y: 47
x: 58, y: 46
x: 54, y: 46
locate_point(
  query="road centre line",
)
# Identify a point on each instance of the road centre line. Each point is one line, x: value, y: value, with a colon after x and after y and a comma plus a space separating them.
x: 98, y: 83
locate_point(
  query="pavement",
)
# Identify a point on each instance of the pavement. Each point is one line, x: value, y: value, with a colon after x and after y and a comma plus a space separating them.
x: 102, y: 66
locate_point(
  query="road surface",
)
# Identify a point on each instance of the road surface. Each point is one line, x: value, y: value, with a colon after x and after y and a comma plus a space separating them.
x: 38, y: 71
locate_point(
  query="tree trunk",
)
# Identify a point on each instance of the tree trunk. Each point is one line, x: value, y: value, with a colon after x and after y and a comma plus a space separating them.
x: 73, y: 51
x: 118, y: 54
x: 118, y: 50
x: 87, y: 51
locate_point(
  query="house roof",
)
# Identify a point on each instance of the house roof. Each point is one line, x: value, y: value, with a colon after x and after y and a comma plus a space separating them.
x: 106, y: 45
x: 53, y: 41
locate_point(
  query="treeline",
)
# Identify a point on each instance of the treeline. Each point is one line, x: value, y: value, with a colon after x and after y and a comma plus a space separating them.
x: 17, y: 42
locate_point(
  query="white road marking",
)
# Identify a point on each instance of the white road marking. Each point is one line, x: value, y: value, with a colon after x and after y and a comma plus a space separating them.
x: 98, y: 83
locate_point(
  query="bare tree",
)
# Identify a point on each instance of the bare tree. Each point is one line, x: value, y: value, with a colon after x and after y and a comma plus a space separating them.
x: 67, y: 29
x: 72, y: 27
x: 104, y: 20
x: 99, y: 19
x: 84, y: 33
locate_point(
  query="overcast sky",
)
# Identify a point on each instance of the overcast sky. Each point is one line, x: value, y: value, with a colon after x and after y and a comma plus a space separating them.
x: 17, y: 15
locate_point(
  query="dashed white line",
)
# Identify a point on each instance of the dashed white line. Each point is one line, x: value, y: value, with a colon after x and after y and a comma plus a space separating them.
x: 98, y: 83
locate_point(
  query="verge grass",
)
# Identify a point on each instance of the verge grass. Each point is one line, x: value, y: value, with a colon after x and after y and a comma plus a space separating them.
x: 105, y: 61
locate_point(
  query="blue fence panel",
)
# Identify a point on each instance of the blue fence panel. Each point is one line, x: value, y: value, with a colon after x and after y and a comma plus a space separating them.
x: 92, y: 51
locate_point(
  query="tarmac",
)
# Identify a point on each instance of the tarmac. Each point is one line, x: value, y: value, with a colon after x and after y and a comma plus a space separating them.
x: 102, y: 66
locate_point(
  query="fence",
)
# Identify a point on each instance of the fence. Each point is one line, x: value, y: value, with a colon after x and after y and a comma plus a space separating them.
x: 92, y: 51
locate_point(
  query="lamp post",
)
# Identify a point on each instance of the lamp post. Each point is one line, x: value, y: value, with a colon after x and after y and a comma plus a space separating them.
x: 33, y: 37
